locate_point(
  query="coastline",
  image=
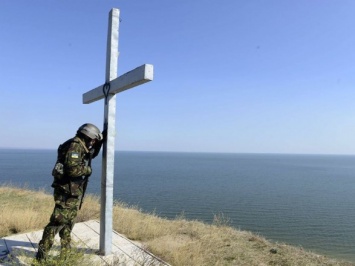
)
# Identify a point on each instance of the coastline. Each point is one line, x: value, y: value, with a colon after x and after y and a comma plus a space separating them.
x: 179, y: 241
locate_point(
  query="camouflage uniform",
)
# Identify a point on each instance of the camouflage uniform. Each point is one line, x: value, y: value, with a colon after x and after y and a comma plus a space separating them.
x: 68, y: 191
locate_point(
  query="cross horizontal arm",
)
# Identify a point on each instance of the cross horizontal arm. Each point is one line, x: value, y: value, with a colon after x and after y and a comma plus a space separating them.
x: 127, y: 81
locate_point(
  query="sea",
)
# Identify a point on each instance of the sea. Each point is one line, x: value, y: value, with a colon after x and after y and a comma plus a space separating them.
x: 306, y: 201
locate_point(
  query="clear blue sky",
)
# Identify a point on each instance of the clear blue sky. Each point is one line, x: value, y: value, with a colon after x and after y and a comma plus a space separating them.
x: 274, y: 76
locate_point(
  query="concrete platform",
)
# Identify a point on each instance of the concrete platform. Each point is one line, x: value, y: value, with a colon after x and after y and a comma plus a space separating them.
x: 21, y: 249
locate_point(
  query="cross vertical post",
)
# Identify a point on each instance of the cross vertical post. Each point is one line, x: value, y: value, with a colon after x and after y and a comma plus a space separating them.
x: 109, y: 146
x: 108, y: 91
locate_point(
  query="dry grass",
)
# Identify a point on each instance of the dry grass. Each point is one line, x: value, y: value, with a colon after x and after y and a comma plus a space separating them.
x: 179, y: 241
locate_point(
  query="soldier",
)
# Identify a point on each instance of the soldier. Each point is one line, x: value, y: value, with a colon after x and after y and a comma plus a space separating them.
x: 71, y: 171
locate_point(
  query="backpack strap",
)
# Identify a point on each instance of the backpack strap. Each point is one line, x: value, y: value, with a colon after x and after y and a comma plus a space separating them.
x: 83, y: 144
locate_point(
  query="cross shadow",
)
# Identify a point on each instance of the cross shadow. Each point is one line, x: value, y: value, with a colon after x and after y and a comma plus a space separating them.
x: 10, y: 250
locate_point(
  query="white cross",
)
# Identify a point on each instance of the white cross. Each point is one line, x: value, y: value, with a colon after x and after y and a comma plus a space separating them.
x: 108, y: 91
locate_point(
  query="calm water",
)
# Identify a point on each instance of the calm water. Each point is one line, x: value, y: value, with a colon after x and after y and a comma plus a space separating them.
x: 303, y: 200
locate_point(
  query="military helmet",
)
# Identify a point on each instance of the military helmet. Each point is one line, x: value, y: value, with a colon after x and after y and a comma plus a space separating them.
x: 90, y: 131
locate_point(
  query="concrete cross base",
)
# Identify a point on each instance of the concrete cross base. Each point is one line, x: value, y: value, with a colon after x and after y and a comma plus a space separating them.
x: 21, y: 249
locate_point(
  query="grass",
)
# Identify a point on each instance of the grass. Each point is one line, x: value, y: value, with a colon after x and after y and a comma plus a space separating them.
x: 178, y: 241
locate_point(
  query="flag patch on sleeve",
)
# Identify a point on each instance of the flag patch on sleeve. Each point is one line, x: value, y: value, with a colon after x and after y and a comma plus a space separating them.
x: 74, y: 155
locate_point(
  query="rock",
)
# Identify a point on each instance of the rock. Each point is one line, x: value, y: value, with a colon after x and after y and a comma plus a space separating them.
x: 273, y: 251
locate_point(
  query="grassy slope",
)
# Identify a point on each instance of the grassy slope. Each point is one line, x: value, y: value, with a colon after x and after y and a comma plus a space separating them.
x: 179, y: 241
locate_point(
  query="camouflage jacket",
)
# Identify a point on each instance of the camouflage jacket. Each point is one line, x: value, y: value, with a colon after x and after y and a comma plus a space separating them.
x: 74, y: 162
x: 75, y: 159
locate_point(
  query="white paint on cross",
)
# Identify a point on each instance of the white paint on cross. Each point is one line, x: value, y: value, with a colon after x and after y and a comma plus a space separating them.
x: 108, y: 91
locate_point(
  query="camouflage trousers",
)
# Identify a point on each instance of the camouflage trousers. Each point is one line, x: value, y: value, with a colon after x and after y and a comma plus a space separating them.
x: 61, y: 220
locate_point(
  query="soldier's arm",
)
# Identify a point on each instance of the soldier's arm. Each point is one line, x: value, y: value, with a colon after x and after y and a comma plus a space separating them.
x: 98, y: 144
x: 96, y: 148
x: 74, y: 165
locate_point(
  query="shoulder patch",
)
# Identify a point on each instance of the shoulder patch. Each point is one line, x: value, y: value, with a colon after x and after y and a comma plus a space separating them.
x: 74, y: 155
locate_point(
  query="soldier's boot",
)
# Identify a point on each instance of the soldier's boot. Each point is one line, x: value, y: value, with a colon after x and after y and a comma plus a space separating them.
x: 65, y: 251
x: 65, y: 240
x: 64, y: 254
x: 46, y: 242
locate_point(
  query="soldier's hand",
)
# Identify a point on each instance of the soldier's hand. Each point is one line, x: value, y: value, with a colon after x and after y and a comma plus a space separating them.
x: 104, y: 134
x: 88, y: 170
x: 92, y: 152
